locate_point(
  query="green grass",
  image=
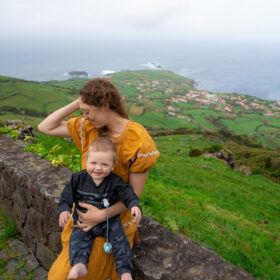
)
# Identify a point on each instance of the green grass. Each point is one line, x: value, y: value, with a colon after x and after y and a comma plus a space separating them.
x: 182, y: 105
x: 57, y: 150
x: 142, y: 75
x: 129, y: 90
x: 18, y: 96
x: 234, y: 215
x: 35, y: 96
x: 156, y: 94
x: 270, y: 140
x: 73, y: 83
x: 202, y: 198
x: 245, y: 124
x: 159, y: 120
x: 200, y: 116
x: 268, y: 129
x: 33, y: 121
x: 159, y: 104
x: 7, y: 229
x: 273, y: 122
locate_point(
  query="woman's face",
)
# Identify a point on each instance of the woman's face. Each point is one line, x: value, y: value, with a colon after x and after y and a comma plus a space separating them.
x: 99, y: 116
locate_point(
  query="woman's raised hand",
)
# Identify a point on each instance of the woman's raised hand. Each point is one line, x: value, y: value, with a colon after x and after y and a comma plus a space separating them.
x: 54, y: 124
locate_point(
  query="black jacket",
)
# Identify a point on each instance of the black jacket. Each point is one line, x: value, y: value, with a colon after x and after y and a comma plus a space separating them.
x: 82, y: 188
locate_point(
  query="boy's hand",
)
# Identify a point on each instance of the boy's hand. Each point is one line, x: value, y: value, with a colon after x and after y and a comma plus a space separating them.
x: 136, y: 212
x: 63, y: 218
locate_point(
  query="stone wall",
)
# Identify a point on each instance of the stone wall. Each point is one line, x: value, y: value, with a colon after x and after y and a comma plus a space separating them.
x: 29, y: 191
x: 29, y: 188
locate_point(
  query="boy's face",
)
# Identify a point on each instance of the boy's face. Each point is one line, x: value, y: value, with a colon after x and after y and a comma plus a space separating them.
x: 99, y: 164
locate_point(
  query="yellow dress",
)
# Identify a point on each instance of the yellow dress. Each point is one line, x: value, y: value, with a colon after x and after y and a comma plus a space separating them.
x: 136, y: 153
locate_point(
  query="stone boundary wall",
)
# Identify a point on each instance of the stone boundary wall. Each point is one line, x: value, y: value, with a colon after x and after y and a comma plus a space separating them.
x: 29, y: 192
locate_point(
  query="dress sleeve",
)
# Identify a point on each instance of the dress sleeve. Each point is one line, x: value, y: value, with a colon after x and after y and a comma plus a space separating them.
x: 74, y: 126
x: 141, y: 150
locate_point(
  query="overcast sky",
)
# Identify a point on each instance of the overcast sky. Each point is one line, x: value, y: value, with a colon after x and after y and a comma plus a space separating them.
x: 141, y: 19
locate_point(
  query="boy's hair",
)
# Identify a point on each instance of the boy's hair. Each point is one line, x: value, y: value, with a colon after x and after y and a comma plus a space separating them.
x: 103, y: 144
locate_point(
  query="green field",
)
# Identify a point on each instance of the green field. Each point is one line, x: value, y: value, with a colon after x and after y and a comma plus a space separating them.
x: 202, y: 198
x: 235, y: 215
x: 33, y: 96
x: 36, y: 99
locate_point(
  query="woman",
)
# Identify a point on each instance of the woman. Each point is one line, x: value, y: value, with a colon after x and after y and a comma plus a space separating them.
x: 103, y: 113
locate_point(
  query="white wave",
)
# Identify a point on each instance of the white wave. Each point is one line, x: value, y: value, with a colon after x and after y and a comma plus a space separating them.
x: 152, y: 65
x: 106, y: 72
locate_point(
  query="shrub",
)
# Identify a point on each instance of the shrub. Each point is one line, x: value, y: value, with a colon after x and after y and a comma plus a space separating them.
x: 195, y: 153
x: 213, y: 148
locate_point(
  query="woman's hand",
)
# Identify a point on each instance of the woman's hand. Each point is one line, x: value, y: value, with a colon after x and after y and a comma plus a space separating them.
x: 54, y: 124
x: 92, y: 217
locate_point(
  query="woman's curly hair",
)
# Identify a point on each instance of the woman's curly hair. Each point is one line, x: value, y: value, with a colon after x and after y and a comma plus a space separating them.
x: 101, y: 93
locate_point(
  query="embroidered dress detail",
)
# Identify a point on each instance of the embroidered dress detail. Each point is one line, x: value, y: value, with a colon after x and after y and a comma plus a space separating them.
x: 81, y: 134
x: 149, y: 154
x: 132, y: 222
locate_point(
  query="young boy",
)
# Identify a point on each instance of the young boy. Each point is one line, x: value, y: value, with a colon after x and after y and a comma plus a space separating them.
x: 92, y: 186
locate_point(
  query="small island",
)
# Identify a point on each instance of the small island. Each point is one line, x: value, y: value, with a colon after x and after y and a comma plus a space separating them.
x: 78, y: 74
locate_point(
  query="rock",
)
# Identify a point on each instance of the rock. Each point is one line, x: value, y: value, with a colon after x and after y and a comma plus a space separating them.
x: 275, y: 163
x: 22, y: 129
x: 25, y: 131
x: 227, y: 156
x: 3, y: 254
x: 224, y: 154
x: 19, y: 248
x: 172, y: 257
x: 31, y: 262
x: 167, y: 262
x: 78, y: 73
x: 40, y: 274
x: 21, y: 275
x: 244, y: 169
x: 11, y: 267
x: 44, y: 255
x: 14, y: 124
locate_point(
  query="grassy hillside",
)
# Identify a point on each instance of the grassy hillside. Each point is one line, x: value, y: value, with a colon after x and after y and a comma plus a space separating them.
x: 235, y: 215
x: 159, y: 100
x: 202, y: 198
x: 162, y: 100
x: 31, y: 98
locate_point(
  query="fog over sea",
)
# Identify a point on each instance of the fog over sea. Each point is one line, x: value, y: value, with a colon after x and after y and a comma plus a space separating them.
x: 250, y: 68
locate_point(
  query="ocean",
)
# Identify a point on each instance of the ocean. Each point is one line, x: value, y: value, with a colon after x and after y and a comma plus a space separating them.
x: 249, y: 68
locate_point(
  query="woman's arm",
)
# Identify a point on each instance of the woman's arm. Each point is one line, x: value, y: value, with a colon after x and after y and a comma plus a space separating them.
x: 137, y: 181
x: 95, y: 216
x: 54, y: 124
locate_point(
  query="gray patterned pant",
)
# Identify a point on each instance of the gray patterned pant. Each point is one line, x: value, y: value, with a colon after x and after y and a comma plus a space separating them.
x: 81, y: 244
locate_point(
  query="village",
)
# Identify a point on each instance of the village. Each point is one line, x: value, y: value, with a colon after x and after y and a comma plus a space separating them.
x: 184, y: 91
